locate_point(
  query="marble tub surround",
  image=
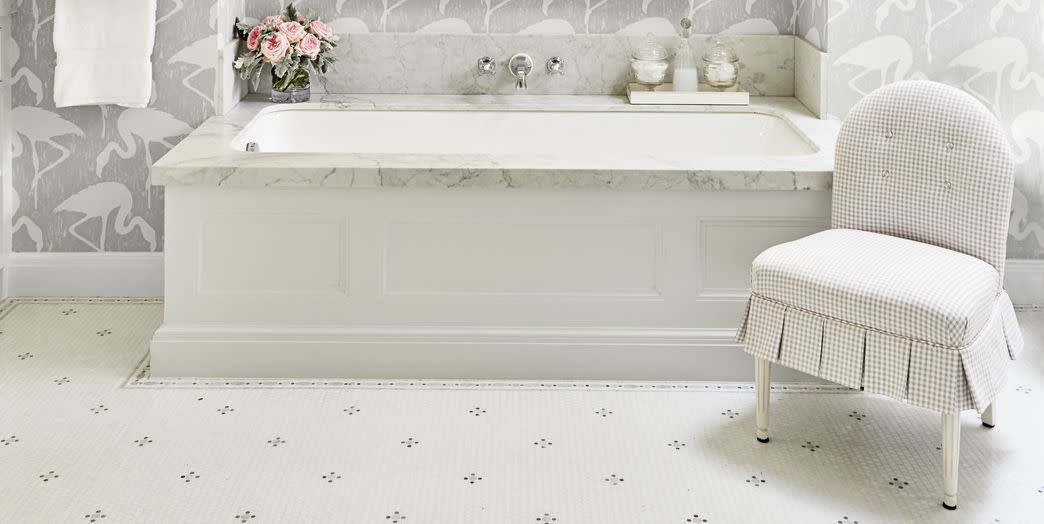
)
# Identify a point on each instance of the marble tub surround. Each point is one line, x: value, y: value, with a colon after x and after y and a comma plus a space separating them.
x: 439, y: 64
x: 209, y: 156
x: 810, y: 76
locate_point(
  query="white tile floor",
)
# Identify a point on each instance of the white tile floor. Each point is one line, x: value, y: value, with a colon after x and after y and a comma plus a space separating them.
x: 81, y: 443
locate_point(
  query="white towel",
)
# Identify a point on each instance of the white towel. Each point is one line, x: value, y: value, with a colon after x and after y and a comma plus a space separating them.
x: 104, y: 52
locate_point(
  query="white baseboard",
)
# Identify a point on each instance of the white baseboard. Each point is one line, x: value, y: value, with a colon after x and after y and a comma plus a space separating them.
x: 1024, y: 282
x: 141, y: 275
x: 85, y: 275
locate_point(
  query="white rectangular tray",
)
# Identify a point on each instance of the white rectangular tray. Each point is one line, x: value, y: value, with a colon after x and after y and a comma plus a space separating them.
x: 665, y: 94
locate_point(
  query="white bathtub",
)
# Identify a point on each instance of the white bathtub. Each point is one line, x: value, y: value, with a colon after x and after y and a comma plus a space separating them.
x: 677, y: 137
x: 478, y: 238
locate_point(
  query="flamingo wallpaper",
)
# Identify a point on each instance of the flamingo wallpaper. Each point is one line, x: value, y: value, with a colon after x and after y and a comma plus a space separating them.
x: 80, y: 174
x: 994, y: 49
x: 548, y: 16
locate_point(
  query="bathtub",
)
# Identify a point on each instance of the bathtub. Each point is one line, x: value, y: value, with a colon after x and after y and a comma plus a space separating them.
x: 578, y: 136
x: 385, y: 237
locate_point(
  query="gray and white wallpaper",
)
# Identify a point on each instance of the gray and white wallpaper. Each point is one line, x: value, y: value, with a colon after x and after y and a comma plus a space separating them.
x: 547, y: 16
x: 993, y: 49
x: 812, y: 21
x: 80, y: 174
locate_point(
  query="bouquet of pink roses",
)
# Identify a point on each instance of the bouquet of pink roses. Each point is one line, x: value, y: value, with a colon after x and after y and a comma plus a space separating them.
x: 296, y: 45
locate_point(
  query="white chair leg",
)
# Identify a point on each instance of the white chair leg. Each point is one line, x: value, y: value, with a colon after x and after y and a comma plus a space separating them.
x: 989, y: 417
x: 762, y: 387
x: 951, y: 437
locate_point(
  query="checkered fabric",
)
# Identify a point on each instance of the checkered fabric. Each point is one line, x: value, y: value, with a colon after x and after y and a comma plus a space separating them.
x: 926, y: 162
x: 903, y: 297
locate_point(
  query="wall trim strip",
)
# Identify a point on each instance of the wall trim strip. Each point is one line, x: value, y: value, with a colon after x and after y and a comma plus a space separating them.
x: 85, y: 275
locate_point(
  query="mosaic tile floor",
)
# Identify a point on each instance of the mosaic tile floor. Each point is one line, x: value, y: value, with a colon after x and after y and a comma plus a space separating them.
x: 84, y: 439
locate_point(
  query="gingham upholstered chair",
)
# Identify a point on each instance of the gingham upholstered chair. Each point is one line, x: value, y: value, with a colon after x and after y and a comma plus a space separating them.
x: 902, y: 296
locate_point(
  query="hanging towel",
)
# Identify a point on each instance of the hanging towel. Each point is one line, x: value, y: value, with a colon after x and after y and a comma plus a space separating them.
x: 104, y: 50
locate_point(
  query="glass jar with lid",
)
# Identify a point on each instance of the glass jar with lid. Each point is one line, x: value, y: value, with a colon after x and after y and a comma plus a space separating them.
x: 720, y: 66
x: 649, y: 62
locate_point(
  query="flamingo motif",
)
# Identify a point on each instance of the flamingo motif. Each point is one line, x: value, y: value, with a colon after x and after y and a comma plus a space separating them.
x: 993, y: 57
x: 908, y: 5
x: 880, y: 55
x: 199, y: 54
x: 1019, y: 6
x: 885, y: 9
x: 31, y: 229
x: 1028, y: 127
x: 149, y: 125
x: 178, y: 6
x: 38, y: 24
x: 844, y: 6
x: 99, y: 201
x: 23, y: 73
x: 1021, y: 227
x: 41, y: 126
x: 1027, y: 131
x: 958, y: 7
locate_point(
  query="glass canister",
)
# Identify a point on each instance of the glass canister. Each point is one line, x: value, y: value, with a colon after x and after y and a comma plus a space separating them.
x: 720, y: 66
x: 649, y: 62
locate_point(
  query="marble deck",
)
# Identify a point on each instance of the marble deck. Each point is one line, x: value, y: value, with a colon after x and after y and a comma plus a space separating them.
x: 207, y: 158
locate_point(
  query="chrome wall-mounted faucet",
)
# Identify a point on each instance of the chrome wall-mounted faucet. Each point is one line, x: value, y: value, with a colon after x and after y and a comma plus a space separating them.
x: 487, y: 66
x: 520, y: 66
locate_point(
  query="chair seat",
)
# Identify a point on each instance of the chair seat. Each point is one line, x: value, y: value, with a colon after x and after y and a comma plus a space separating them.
x: 883, y: 283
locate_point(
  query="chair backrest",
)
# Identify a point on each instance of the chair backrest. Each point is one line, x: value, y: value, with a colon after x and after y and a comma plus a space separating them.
x: 926, y: 162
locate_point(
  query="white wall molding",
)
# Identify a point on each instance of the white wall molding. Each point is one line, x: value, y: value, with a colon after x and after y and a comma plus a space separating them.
x: 85, y: 275
x: 1024, y: 281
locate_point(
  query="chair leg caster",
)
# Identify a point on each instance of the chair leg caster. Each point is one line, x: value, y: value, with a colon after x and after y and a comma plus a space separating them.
x: 949, y: 507
x: 989, y: 417
x: 763, y: 440
x: 985, y: 425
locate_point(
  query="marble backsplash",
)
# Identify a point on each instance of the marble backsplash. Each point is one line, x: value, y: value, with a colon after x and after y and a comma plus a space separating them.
x: 414, y: 63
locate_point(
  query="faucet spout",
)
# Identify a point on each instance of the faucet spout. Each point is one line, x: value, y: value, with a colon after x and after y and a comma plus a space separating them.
x: 520, y: 66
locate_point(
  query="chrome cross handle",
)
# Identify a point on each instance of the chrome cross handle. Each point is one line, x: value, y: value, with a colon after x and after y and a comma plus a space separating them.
x: 487, y: 66
x: 556, y: 65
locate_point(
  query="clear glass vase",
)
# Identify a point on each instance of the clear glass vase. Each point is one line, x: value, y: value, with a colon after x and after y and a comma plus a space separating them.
x: 293, y: 88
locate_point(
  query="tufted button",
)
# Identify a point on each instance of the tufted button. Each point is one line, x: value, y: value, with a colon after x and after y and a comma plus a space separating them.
x: 884, y: 173
x: 950, y: 146
x: 889, y: 134
x: 948, y: 185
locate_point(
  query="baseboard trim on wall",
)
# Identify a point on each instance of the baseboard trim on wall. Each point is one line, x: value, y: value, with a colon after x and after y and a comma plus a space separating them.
x: 1024, y: 282
x: 85, y: 275
x: 141, y: 275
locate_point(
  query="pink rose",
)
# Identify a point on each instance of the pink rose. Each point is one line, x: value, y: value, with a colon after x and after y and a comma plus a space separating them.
x: 253, y: 39
x: 309, y: 46
x: 272, y: 20
x: 274, y: 47
x: 321, y: 29
x: 294, y: 31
